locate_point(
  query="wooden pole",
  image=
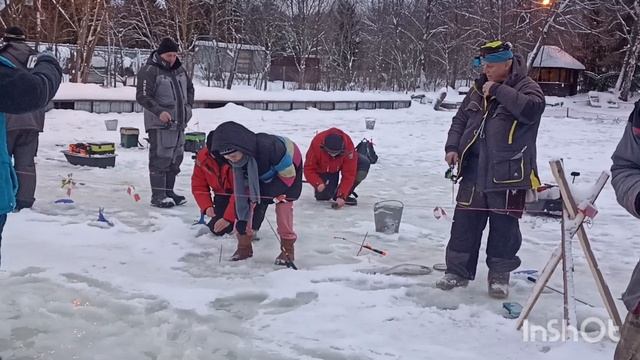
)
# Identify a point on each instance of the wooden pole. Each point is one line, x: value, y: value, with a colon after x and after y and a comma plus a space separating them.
x: 571, y: 225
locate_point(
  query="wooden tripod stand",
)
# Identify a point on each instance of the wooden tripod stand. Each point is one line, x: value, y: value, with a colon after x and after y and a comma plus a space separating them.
x: 572, y: 223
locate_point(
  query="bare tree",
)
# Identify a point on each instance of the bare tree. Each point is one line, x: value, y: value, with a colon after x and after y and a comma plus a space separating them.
x: 264, y: 27
x: 305, y: 29
x: 631, y: 33
x: 344, y: 45
x: 561, y: 7
x: 86, y: 19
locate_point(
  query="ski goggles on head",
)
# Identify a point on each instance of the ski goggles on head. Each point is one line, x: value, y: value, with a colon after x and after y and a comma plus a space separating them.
x: 493, y: 52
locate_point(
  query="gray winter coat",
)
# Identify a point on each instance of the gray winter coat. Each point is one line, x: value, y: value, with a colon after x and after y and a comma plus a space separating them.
x: 502, y: 131
x: 625, y: 178
x: 164, y: 88
x: 24, y: 56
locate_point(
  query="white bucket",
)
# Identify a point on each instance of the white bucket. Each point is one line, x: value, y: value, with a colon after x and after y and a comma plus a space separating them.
x: 387, y: 215
x: 112, y: 124
x: 370, y: 123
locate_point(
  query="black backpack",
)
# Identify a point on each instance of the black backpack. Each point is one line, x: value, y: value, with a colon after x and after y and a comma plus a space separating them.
x: 365, y: 147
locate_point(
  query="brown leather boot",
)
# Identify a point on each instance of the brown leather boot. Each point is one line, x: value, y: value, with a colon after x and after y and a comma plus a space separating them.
x: 244, y: 250
x: 286, y: 252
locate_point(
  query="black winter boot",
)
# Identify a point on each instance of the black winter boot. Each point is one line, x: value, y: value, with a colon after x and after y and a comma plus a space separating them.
x: 177, y: 199
x: 450, y: 281
x: 158, y: 191
x: 498, y: 284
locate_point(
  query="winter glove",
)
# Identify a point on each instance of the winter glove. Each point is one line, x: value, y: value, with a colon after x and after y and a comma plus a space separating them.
x: 48, y: 67
x: 47, y: 55
x: 49, y: 58
x: 220, y: 226
x: 241, y: 227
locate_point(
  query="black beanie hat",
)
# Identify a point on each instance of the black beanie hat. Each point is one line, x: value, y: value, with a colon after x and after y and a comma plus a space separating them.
x: 167, y: 45
x: 14, y: 33
x: 333, y: 144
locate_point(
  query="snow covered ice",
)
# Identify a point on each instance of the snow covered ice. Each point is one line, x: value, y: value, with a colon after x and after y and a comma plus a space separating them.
x: 153, y: 285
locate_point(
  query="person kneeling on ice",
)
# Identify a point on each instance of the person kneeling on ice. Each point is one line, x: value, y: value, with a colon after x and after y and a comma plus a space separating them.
x: 212, y: 172
x: 625, y: 178
x: 334, y: 168
x: 494, y: 131
x: 266, y: 169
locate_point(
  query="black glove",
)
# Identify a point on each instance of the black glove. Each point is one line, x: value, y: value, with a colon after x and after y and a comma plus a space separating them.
x: 241, y: 227
x: 211, y: 224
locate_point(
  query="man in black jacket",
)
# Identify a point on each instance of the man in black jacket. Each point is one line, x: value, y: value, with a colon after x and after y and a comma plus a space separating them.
x: 492, y: 139
x: 23, y: 130
x: 166, y: 92
x: 21, y: 91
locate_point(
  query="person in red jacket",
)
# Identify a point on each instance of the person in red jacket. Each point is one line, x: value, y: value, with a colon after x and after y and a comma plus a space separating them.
x: 212, y: 173
x: 334, y: 168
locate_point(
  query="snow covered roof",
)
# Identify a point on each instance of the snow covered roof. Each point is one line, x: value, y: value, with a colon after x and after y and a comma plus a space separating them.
x: 554, y: 57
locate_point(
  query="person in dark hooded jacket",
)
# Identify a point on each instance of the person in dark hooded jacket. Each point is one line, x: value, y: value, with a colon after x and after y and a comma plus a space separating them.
x: 625, y: 178
x: 23, y: 130
x: 266, y: 169
x: 492, y: 140
x: 21, y: 91
x: 166, y: 93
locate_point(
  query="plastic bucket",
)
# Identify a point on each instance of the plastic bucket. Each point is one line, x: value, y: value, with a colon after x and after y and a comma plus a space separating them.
x: 112, y: 125
x: 387, y: 216
x: 370, y: 123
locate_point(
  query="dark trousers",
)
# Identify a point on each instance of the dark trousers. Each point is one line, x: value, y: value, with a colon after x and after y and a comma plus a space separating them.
x: 220, y: 203
x: 332, y: 180
x: 259, y: 212
x: 468, y: 225
x: 23, y: 147
x: 3, y: 220
x: 629, y: 345
x: 166, y: 151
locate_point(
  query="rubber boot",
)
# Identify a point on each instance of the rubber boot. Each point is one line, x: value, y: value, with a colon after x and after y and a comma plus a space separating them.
x: 177, y: 199
x: 158, y: 191
x: 498, y: 284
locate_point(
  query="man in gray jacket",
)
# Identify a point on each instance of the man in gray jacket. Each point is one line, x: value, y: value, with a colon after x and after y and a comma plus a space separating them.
x: 165, y: 91
x: 23, y: 130
x: 492, y: 139
x: 626, y: 183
